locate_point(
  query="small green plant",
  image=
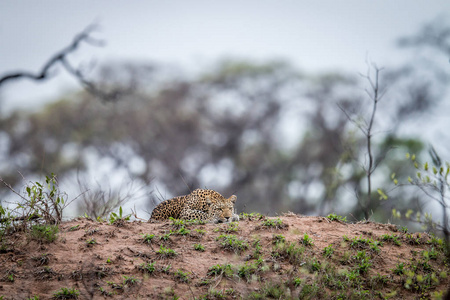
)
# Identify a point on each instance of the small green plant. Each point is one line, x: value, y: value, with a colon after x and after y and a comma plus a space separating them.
x: 104, y: 292
x: 306, y: 241
x: 218, y: 270
x: 147, y: 238
x: 404, y: 229
x: 166, y: 236
x: 391, y: 238
x: 363, y: 262
x: 181, y: 276
x: 177, y: 223
x: 118, y: 219
x: 328, y: 251
x: 309, y: 291
x: 200, y: 231
x: 251, y: 216
x: 232, y: 243
x: 363, y: 266
x: 334, y: 217
x: 182, y: 231
x: 274, y: 290
x: 108, y: 260
x: 231, y: 228
x: 130, y: 280
x: 10, y: 277
x: 274, y: 223
x: 278, y: 238
x: 257, y: 252
x: 379, y: 280
x: 413, y: 240
x: 249, y: 269
x: 346, y: 257
x: 44, y: 233
x: 116, y: 286
x: 91, y: 242
x: 166, y: 252
x: 147, y: 267
x: 288, y: 251
x: 297, y: 281
x: 66, y: 293
x: 399, y: 269
x: 366, y: 244
x: 73, y: 228
x: 199, y: 247
x: 315, y: 266
x: 166, y: 269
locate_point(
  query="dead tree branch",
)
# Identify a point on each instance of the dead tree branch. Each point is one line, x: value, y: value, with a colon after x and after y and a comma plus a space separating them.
x: 61, y: 57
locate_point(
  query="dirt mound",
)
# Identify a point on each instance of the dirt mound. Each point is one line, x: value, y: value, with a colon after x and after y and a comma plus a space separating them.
x: 256, y: 258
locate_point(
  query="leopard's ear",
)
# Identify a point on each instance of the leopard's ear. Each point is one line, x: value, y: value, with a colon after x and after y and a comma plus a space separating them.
x: 233, y: 198
x: 208, y: 200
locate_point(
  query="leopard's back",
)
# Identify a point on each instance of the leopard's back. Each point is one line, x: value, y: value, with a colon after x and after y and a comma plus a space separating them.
x: 170, y: 208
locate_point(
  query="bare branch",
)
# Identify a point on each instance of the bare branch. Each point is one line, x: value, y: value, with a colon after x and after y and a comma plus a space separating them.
x: 60, y: 56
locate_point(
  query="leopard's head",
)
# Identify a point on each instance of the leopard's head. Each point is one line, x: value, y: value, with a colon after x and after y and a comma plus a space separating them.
x: 222, y: 211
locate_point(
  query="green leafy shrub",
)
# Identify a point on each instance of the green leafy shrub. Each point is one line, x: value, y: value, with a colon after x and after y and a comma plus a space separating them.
x: 44, y: 233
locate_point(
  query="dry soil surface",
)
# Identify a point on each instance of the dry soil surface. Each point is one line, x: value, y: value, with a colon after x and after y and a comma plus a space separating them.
x: 103, y: 261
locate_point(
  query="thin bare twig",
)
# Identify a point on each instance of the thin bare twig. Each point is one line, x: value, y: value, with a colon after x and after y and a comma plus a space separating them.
x: 60, y: 56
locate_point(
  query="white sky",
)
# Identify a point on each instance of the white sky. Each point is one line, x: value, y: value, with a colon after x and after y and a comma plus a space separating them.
x: 313, y: 35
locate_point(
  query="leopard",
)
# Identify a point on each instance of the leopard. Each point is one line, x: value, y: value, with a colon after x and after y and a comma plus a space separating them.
x: 201, y: 204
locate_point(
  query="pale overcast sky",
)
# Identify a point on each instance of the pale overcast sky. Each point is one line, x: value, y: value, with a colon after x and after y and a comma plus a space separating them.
x: 313, y: 35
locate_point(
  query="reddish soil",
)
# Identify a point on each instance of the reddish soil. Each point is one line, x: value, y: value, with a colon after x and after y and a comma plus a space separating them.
x: 41, y: 269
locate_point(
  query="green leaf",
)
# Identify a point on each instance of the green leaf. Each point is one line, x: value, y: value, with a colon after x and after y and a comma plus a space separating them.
x: 408, y: 155
x: 395, y: 181
x: 393, y: 176
x: 396, y: 214
x: 383, y: 196
x: 425, y: 166
x: 410, y: 179
x: 413, y: 157
x: 434, y: 170
x: 409, y: 213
